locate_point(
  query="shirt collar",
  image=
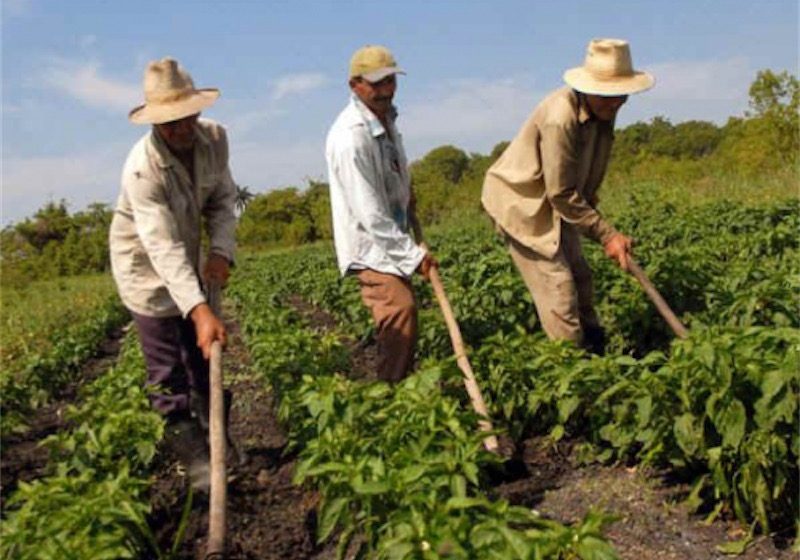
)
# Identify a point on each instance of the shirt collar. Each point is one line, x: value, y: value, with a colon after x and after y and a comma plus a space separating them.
x: 376, y: 128
x: 164, y: 157
x: 584, y: 114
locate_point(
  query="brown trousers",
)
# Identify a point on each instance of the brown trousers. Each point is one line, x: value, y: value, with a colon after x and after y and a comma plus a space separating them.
x: 390, y: 299
x: 561, y: 287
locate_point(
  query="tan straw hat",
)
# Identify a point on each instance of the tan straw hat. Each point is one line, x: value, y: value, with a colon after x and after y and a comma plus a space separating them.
x: 170, y: 94
x: 373, y: 63
x: 608, y: 70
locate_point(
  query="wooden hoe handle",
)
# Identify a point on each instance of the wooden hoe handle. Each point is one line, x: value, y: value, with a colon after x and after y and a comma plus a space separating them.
x: 662, y: 306
x: 490, y: 441
x: 474, y: 392
x: 215, y: 548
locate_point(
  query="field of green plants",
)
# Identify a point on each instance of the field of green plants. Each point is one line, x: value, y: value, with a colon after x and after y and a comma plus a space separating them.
x: 49, y: 329
x: 404, y: 468
x: 401, y: 471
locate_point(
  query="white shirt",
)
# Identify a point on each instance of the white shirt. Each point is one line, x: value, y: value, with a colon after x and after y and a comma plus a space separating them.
x: 370, y: 190
x: 155, y: 236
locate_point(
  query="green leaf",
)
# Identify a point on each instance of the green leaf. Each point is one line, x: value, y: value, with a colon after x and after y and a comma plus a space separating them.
x: 731, y: 423
x: 329, y: 514
x: 687, y: 434
x: 594, y: 548
x: 736, y: 547
x: 369, y: 488
x: 465, y: 503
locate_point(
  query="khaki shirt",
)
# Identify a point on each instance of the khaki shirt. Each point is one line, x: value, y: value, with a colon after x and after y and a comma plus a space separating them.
x: 155, y: 233
x: 551, y: 172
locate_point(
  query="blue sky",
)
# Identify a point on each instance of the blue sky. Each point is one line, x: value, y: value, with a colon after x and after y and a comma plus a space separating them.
x: 71, y: 71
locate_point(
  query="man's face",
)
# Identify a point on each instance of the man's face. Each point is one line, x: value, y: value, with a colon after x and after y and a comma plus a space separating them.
x: 179, y: 135
x: 605, y: 107
x: 378, y: 95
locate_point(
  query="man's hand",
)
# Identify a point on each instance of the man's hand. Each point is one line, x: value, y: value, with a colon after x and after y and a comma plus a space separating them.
x: 618, y: 248
x: 217, y: 270
x: 207, y: 327
x: 428, y: 263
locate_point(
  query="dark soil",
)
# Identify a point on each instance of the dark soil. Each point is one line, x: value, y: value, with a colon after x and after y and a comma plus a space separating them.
x: 652, y: 523
x: 267, y: 516
x: 23, y: 458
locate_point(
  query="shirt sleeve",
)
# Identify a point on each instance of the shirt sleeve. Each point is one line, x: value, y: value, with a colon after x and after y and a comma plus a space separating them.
x: 218, y: 211
x: 369, y: 206
x: 157, y: 230
x: 559, y: 164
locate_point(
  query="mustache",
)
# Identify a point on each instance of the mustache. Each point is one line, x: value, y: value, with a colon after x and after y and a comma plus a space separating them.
x: 384, y: 98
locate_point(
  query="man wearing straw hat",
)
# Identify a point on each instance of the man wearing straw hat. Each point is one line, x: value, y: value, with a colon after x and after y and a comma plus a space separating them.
x: 370, y: 199
x: 542, y: 191
x: 175, y: 177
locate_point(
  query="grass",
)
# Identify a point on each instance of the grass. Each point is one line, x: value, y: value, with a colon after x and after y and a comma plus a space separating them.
x: 30, y: 316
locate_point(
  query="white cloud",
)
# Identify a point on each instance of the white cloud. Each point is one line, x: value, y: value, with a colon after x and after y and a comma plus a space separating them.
x: 292, y: 84
x: 710, y: 90
x: 472, y: 114
x: 84, y: 82
x: 266, y: 166
x: 702, y: 80
x: 82, y: 178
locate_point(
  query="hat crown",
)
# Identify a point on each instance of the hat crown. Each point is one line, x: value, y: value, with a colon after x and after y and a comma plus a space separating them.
x: 608, y: 59
x: 165, y: 81
x: 371, y: 58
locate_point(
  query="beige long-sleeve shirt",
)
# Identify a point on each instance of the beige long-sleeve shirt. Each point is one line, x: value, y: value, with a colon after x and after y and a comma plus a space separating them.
x: 156, y: 230
x: 551, y: 172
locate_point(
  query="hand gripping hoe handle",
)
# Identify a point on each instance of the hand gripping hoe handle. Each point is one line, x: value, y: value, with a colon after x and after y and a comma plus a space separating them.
x: 215, y: 548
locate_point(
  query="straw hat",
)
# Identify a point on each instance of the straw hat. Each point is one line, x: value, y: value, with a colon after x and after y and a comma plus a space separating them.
x: 373, y: 63
x: 170, y: 94
x: 608, y: 70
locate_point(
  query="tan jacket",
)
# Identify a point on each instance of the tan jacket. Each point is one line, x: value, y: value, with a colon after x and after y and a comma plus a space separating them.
x: 156, y: 229
x: 551, y: 172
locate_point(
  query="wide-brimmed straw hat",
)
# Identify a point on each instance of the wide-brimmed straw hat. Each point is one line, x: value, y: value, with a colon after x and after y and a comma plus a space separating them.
x: 373, y: 63
x: 608, y: 70
x: 169, y: 94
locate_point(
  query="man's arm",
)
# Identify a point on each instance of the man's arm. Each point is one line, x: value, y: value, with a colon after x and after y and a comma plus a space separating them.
x: 560, y: 163
x: 155, y: 225
x: 157, y: 230
x: 220, y: 218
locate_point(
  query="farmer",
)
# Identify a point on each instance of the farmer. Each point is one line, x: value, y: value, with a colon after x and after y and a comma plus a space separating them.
x: 542, y: 191
x: 371, y: 200
x: 175, y: 176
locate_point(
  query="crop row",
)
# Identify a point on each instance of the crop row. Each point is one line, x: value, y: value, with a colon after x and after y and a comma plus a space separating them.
x: 401, y: 470
x: 93, y: 504
x: 58, y: 346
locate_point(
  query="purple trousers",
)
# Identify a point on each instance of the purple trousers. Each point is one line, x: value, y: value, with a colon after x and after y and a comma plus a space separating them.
x: 174, y: 362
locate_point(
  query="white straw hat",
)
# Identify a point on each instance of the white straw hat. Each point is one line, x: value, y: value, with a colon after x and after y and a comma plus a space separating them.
x: 608, y: 70
x: 170, y: 94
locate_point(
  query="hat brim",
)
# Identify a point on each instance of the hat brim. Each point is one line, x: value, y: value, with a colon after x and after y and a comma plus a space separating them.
x: 165, y: 112
x: 584, y: 82
x: 381, y: 73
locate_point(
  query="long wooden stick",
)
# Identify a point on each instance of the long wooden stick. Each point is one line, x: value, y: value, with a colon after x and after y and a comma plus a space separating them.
x: 215, y: 548
x: 471, y: 384
x: 662, y: 306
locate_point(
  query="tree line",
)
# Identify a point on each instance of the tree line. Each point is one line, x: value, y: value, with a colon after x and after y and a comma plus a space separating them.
x: 447, y: 181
